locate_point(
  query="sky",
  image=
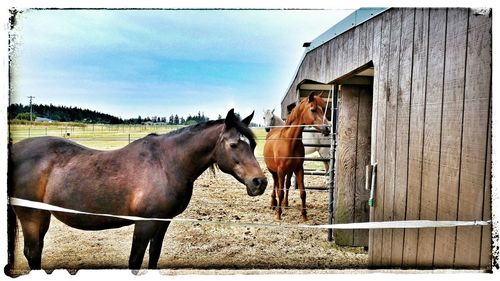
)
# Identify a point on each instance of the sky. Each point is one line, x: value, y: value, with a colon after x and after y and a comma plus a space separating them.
x: 162, y: 62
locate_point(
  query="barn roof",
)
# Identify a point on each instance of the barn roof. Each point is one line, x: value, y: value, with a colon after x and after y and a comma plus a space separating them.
x: 356, y: 18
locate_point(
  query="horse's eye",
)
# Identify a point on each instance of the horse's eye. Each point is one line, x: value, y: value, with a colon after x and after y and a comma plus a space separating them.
x: 233, y: 145
x: 313, y: 110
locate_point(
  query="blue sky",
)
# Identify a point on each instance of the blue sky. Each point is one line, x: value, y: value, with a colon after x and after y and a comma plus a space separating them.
x: 162, y: 62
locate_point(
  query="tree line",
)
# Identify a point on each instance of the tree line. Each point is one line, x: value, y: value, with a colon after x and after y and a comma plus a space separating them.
x: 75, y: 114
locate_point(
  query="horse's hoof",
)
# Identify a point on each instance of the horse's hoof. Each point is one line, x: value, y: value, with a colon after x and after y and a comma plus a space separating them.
x: 304, y: 218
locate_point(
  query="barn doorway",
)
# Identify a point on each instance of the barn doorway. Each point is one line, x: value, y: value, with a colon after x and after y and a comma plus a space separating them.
x: 355, y: 99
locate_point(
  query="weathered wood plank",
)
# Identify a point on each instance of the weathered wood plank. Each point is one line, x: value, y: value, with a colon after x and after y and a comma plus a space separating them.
x: 362, y: 50
x: 374, y: 245
x: 453, y: 95
x: 381, y: 127
x: 349, y: 64
x: 361, y: 196
x: 340, y: 56
x: 328, y: 62
x: 485, y: 262
x: 474, y: 140
x: 355, y: 48
x: 390, y: 131
x: 346, y: 161
x: 402, y: 130
x: 432, y: 134
x: 417, y: 117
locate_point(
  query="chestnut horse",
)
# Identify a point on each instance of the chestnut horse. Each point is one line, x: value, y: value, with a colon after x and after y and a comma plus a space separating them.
x: 284, y: 150
x: 151, y: 177
x: 271, y: 120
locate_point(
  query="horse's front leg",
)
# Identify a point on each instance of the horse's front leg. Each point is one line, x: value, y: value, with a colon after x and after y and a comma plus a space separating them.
x: 155, y: 245
x: 299, y: 177
x: 143, y: 233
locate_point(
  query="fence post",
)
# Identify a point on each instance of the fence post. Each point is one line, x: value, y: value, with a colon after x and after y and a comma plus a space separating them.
x: 129, y: 138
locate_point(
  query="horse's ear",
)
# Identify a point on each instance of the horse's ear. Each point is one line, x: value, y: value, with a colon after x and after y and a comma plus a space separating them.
x: 247, y: 120
x: 230, y: 118
x: 311, y: 97
x: 320, y: 95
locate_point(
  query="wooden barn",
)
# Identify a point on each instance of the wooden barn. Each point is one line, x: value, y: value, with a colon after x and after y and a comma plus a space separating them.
x: 413, y: 88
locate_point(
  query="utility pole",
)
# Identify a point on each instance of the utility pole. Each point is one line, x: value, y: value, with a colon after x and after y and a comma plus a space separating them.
x: 31, y: 108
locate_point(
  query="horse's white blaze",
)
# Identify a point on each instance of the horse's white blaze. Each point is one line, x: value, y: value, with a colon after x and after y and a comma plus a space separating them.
x: 244, y: 139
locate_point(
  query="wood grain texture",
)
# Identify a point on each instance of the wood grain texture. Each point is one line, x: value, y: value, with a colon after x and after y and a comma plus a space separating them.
x: 486, y: 237
x: 374, y: 244
x: 346, y: 162
x: 417, y: 119
x: 451, y: 141
x: 390, y: 131
x: 432, y: 134
x: 474, y: 140
x: 361, y: 196
x: 383, y: 81
x: 402, y: 132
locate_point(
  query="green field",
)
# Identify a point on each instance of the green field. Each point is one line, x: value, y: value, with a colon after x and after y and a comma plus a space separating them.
x: 103, y: 137
x: 107, y: 137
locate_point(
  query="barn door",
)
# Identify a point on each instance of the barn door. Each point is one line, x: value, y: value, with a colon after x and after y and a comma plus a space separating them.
x: 353, y: 155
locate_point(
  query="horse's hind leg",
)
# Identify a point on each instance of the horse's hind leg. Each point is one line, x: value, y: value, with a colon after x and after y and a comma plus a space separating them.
x: 155, y: 245
x: 281, y: 183
x: 143, y: 232
x: 274, y: 203
x: 288, y: 183
x: 35, y: 224
x: 299, y: 174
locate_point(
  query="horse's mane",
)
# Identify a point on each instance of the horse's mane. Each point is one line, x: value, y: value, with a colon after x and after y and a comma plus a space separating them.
x: 240, y: 127
x: 295, y: 113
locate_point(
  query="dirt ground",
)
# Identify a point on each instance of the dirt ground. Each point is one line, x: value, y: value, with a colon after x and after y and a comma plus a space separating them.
x: 232, y: 244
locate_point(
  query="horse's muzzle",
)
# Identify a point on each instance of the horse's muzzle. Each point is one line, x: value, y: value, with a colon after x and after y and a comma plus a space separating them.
x: 256, y: 186
x: 325, y: 131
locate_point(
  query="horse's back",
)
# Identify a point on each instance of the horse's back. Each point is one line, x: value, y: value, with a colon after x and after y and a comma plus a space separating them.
x: 31, y: 160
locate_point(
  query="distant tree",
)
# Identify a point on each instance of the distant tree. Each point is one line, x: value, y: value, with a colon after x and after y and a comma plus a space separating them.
x: 176, y: 119
x: 219, y: 117
x: 182, y: 121
x: 191, y: 122
x: 24, y: 116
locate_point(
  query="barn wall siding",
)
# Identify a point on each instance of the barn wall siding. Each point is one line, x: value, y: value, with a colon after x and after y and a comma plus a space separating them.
x: 430, y: 129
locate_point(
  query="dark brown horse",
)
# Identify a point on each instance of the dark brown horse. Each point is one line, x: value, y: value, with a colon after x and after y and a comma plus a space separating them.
x: 284, y: 150
x: 151, y: 177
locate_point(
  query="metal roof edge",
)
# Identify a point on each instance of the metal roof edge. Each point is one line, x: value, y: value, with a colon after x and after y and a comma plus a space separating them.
x: 354, y: 19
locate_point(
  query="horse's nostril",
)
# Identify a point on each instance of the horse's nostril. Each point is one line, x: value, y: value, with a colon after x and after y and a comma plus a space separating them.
x: 259, y: 182
x: 256, y: 181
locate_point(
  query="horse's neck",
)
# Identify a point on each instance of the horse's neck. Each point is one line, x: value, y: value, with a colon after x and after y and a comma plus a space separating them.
x: 294, y: 132
x: 195, y: 151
